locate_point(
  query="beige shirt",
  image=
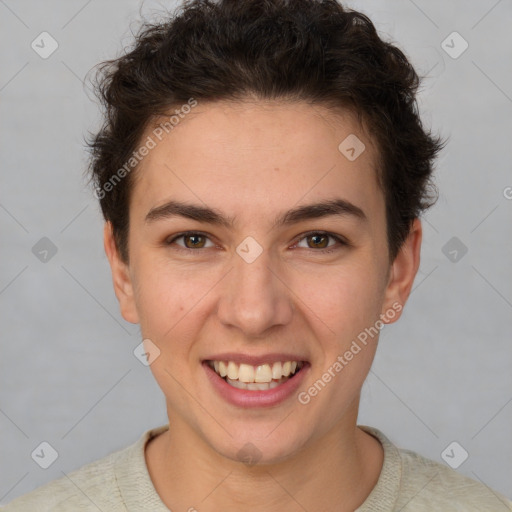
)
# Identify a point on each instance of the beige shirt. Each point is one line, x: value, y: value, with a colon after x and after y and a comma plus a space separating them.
x: 120, y: 482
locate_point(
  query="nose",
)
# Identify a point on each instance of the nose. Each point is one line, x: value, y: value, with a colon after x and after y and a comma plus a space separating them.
x: 255, y: 297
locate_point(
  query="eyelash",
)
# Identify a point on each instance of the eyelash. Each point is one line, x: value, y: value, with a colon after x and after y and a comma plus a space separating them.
x: 341, y: 241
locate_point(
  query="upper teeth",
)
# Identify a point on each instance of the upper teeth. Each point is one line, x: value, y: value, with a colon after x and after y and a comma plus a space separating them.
x: 261, y: 373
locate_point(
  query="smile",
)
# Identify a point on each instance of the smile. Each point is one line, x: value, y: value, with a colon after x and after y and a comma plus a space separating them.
x: 256, y: 378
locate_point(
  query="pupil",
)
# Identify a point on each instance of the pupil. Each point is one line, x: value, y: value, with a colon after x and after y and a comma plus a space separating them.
x: 315, y: 237
x: 191, y: 237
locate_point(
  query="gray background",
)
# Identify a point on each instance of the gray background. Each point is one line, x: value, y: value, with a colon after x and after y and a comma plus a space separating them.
x: 68, y: 373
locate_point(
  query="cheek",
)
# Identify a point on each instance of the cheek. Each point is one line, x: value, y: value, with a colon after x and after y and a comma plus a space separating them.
x: 349, y: 304
x: 168, y: 303
x: 346, y: 299
x: 168, y: 298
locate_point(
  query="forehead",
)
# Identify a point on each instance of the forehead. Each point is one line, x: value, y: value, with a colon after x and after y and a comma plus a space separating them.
x: 256, y: 157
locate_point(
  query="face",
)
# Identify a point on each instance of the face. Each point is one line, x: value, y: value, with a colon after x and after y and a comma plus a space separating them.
x: 231, y: 266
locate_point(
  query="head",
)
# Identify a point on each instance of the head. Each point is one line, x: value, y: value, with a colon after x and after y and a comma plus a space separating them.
x: 284, y: 137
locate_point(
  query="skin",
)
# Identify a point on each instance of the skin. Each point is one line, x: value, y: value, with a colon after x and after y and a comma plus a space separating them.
x: 253, y: 160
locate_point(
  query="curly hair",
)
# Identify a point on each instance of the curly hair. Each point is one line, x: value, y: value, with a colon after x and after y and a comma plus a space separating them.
x: 316, y: 51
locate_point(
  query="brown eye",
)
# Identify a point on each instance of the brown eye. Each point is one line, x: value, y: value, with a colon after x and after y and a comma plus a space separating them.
x: 319, y: 241
x: 195, y: 241
x: 191, y: 241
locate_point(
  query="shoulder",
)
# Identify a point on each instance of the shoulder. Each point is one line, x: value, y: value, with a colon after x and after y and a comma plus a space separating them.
x: 428, y: 484
x: 409, y: 481
x: 91, y: 487
x: 108, y: 483
x: 118, y: 482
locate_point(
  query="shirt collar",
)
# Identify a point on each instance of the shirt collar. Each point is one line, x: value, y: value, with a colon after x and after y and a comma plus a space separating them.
x: 139, y: 493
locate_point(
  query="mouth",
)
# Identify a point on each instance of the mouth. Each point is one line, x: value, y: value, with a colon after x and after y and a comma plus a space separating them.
x: 261, y: 377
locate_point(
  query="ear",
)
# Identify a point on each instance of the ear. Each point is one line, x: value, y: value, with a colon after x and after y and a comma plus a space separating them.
x: 121, y: 278
x: 401, y: 275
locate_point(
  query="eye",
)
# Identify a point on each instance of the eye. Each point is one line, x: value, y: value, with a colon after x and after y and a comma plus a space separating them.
x: 320, y: 240
x: 192, y: 240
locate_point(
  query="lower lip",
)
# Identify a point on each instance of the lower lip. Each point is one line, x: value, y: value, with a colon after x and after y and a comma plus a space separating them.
x: 248, y: 398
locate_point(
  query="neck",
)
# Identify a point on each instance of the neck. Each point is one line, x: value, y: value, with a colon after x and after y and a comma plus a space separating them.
x: 334, y: 472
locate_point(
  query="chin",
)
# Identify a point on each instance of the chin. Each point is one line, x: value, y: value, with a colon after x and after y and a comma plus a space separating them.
x: 266, y: 444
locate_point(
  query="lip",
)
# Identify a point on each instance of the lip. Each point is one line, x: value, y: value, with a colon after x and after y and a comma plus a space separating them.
x: 249, y: 399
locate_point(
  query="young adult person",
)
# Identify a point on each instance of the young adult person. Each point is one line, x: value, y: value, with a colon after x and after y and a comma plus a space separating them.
x: 262, y: 169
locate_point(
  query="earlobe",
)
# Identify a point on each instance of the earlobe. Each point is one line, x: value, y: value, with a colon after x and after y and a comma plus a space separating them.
x: 121, y: 279
x: 402, y: 274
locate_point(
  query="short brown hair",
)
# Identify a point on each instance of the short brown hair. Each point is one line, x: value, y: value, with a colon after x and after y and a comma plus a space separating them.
x: 307, y: 50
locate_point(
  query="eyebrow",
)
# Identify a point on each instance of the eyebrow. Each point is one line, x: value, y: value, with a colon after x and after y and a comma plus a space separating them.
x: 335, y: 207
